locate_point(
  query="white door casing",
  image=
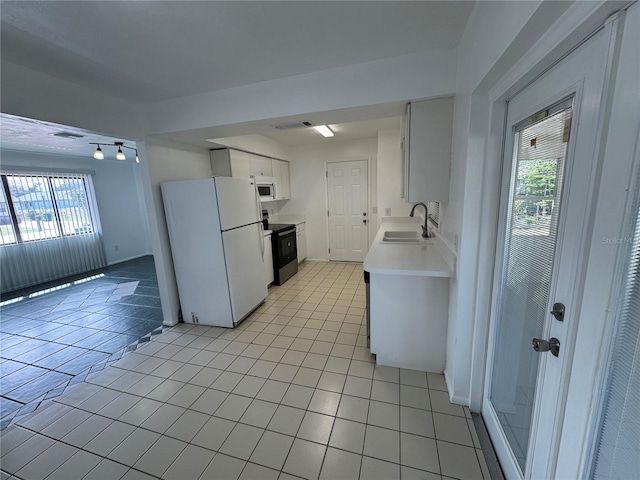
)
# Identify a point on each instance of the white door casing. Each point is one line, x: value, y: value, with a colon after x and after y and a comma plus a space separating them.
x: 347, y: 194
x: 583, y: 74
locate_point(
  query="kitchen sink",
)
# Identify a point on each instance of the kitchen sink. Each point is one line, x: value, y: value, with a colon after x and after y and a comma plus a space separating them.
x: 405, y: 237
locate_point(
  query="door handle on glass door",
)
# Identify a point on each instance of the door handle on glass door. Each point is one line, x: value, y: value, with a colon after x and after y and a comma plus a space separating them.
x: 540, y: 345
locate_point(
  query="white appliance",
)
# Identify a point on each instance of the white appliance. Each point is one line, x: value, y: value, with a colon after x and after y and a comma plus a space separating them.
x: 266, y: 188
x: 215, y: 228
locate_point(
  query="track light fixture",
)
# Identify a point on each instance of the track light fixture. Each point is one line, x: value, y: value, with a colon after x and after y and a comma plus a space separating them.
x: 99, y: 155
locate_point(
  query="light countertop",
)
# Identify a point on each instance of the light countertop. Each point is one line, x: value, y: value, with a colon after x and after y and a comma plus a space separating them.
x: 406, y: 259
x: 295, y: 219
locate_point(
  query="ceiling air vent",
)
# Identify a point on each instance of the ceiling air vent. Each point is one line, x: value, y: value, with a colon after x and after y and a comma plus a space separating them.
x: 67, y: 135
x: 287, y: 126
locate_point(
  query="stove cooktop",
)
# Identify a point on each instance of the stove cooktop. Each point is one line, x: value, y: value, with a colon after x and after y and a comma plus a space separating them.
x: 278, y: 227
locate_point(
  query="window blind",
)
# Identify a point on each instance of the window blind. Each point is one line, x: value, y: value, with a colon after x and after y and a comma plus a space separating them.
x: 49, y: 228
x: 434, y: 211
x: 618, y: 443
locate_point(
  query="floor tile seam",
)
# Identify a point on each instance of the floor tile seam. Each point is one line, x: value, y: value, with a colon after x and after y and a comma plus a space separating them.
x: 114, y: 448
x: 71, y: 445
x: 55, y: 387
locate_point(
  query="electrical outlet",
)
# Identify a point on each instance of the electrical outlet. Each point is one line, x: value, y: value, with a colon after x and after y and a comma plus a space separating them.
x: 387, y: 212
x: 374, y: 209
x: 194, y: 317
x: 116, y: 247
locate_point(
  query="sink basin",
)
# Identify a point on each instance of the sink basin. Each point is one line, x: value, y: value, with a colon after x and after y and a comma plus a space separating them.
x: 411, y: 235
x: 405, y: 237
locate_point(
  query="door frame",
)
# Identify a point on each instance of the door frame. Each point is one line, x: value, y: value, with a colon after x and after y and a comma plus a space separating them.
x: 490, y: 102
x: 576, y: 90
x: 492, y: 105
x: 370, y: 178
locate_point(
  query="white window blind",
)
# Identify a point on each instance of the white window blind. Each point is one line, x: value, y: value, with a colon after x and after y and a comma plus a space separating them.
x: 49, y: 228
x: 434, y: 211
x: 618, y: 443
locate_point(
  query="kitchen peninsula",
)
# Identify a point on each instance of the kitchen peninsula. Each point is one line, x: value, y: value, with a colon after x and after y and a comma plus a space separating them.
x: 408, y: 296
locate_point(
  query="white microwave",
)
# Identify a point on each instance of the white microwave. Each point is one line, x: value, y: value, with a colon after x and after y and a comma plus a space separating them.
x: 266, y: 188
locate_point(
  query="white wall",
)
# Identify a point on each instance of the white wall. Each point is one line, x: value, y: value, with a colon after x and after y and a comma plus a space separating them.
x: 406, y: 77
x: 122, y: 215
x: 163, y: 161
x: 503, y: 47
x: 308, y: 186
x: 31, y: 94
x: 258, y: 144
x: 390, y: 175
x: 493, y: 31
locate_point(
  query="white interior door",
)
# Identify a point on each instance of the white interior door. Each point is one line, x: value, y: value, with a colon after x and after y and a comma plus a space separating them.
x: 348, y: 220
x: 549, y: 169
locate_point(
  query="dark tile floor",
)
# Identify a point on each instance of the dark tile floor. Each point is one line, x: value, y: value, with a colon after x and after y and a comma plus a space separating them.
x: 54, y: 337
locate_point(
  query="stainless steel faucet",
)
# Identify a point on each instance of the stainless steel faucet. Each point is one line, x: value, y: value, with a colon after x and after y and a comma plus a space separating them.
x: 425, y: 232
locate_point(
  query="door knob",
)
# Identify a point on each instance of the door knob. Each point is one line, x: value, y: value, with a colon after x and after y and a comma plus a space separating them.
x: 540, y: 345
x: 364, y: 221
x: 364, y: 214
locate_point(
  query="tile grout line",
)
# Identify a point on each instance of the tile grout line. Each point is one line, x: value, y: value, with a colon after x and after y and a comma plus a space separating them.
x: 306, y: 354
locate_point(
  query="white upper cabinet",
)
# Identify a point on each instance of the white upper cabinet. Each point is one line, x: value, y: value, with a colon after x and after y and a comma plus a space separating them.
x: 227, y: 162
x: 427, y: 150
x: 260, y: 166
x: 280, y: 170
x: 275, y: 167
x: 230, y: 163
x: 286, y: 185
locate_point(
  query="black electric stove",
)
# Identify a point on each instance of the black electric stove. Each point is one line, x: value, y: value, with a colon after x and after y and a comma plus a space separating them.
x: 285, y: 251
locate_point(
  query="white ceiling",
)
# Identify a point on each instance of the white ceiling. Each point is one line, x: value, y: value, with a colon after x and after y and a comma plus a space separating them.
x: 147, y: 51
x: 343, y: 132
x: 24, y: 134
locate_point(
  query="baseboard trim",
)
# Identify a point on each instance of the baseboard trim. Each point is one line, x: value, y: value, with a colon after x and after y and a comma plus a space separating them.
x: 134, y: 257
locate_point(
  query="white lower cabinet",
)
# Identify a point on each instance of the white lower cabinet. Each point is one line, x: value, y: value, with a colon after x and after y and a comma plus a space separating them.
x: 409, y: 321
x: 301, y: 240
x: 268, y: 258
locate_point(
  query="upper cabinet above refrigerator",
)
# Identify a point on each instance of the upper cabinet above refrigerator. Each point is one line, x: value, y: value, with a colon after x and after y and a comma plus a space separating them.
x: 228, y: 162
x: 427, y: 150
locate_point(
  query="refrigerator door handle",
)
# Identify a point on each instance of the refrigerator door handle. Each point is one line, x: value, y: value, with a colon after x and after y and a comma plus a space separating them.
x: 262, y: 240
x: 255, y: 184
x: 259, y: 210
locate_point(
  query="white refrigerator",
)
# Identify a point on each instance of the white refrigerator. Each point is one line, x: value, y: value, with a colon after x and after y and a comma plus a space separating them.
x: 215, y: 231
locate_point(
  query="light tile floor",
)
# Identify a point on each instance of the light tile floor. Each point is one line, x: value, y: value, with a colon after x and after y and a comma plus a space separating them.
x: 292, y: 392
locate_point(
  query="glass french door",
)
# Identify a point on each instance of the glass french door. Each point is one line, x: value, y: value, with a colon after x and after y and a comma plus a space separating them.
x: 539, y: 159
x: 549, y: 167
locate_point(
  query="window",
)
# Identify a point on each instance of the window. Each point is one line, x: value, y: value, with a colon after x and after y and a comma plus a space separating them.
x: 7, y: 233
x: 434, y: 212
x: 40, y: 207
x: 617, y: 454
